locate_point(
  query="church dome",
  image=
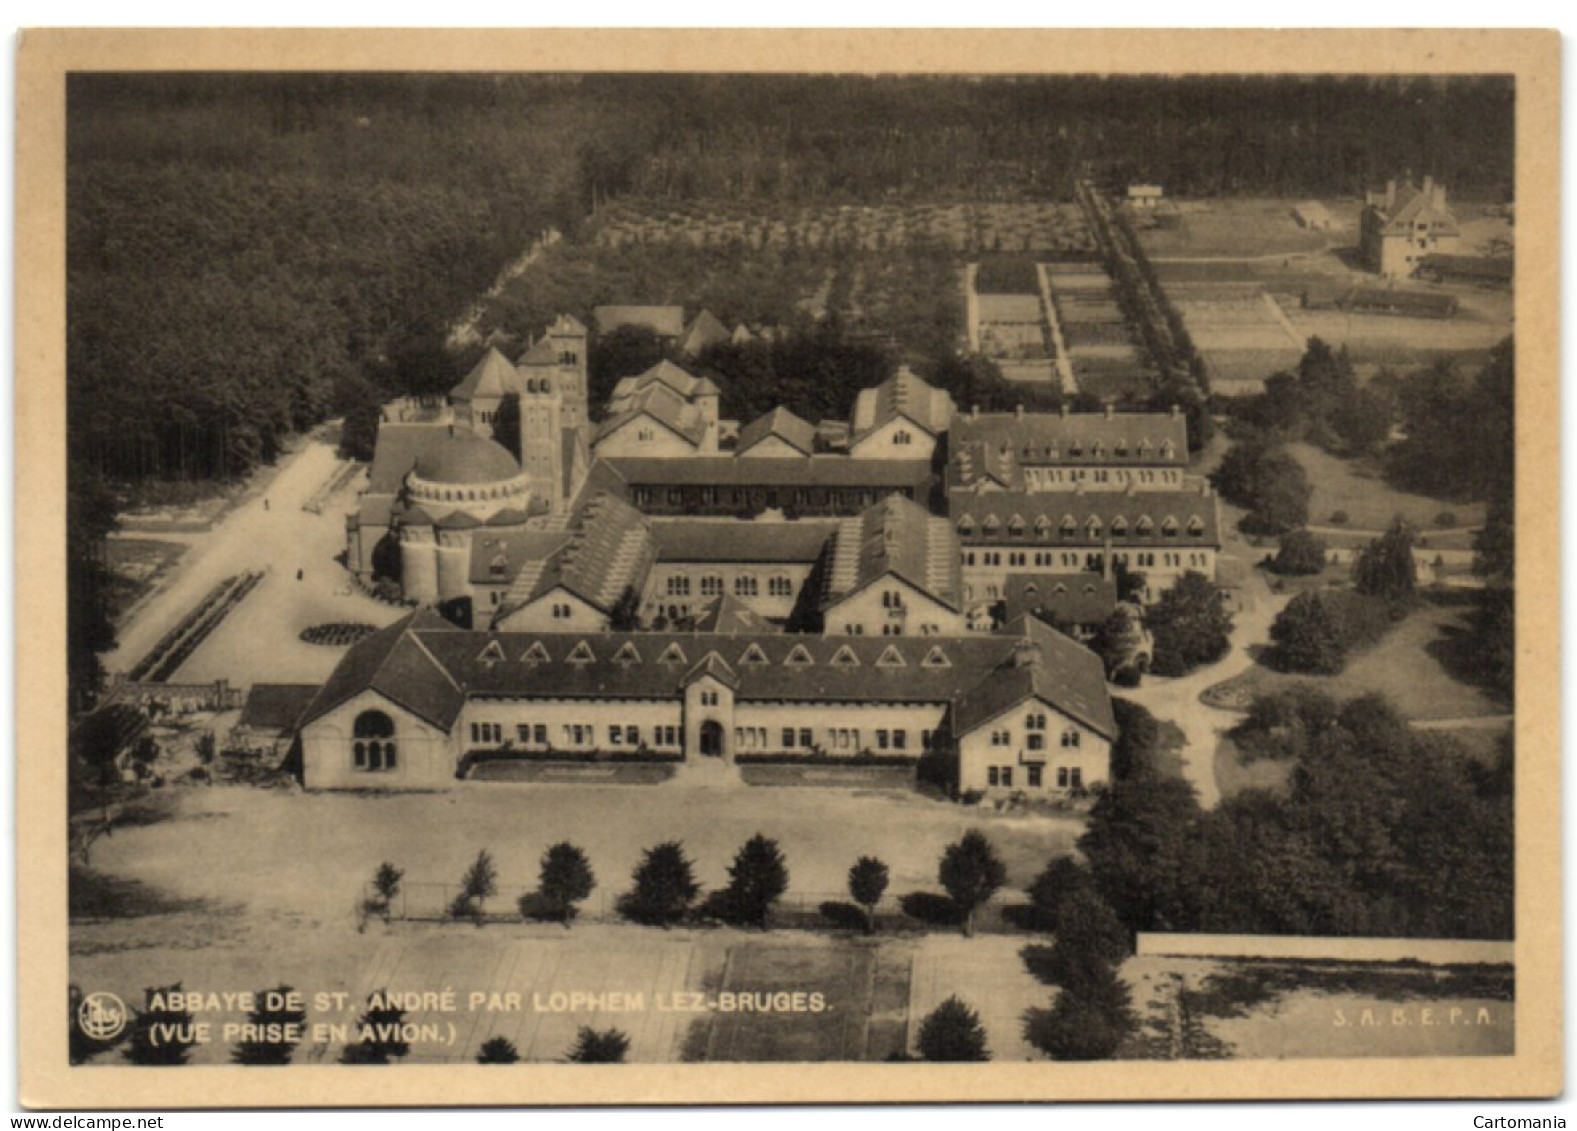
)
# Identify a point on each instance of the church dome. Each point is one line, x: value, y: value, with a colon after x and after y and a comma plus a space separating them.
x: 466, y: 458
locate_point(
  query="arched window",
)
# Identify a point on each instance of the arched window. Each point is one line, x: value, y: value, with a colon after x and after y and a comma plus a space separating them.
x: 374, y: 747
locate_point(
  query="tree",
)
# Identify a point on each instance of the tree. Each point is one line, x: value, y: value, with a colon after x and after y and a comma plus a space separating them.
x: 1136, y: 843
x: 385, y: 886
x: 1089, y: 1020
x: 1190, y: 625
x: 591, y: 1046
x: 381, y: 1029
x: 757, y: 878
x: 1268, y: 482
x: 1300, y: 554
x: 479, y: 883
x: 1385, y: 566
x: 1088, y: 934
x: 497, y: 1050
x: 867, y: 885
x: 971, y: 871
x: 279, y: 1020
x: 1136, y: 753
x: 160, y: 1034
x: 952, y: 1032
x: 1058, y: 882
x: 1311, y: 635
x: 665, y: 886
x: 625, y: 616
x: 564, y: 880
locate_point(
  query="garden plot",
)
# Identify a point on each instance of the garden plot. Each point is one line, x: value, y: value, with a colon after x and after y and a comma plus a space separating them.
x: 1241, y: 334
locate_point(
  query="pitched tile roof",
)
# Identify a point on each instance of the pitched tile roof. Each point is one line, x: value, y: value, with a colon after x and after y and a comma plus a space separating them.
x: 396, y: 664
x: 511, y: 553
x: 695, y: 540
x: 1414, y: 206
x: 991, y: 444
x: 608, y: 549
x: 903, y: 394
x: 900, y: 538
x: 704, y: 330
x: 780, y: 422
x: 276, y: 706
x: 1047, y: 665
x: 430, y: 667
x: 659, y: 402
x: 729, y: 616
x: 1078, y: 598
x: 1087, y: 518
x: 667, y: 321
x: 493, y: 376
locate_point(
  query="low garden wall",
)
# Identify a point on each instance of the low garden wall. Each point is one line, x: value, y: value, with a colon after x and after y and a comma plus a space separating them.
x: 851, y: 775
x: 1433, y: 952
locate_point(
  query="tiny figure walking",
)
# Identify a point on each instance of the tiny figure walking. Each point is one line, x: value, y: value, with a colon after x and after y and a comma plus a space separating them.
x: 265, y: 502
x: 300, y: 573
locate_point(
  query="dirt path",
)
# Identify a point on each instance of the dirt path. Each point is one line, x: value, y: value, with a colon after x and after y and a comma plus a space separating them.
x: 1178, y: 699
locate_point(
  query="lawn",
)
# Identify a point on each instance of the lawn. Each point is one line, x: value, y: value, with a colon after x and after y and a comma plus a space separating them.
x: 1371, y: 503
x: 1418, y: 666
x: 1225, y: 228
x: 1233, y: 775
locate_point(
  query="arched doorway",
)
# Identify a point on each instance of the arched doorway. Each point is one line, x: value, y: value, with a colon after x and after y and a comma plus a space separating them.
x: 712, y: 739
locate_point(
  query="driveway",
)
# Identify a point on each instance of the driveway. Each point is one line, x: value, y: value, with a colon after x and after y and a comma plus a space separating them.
x: 1177, y: 700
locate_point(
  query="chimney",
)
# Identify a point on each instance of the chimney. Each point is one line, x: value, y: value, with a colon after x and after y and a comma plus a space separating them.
x: 1440, y: 196
x: 1026, y: 653
x: 1106, y: 558
x: 1429, y: 188
x: 1177, y: 410
x: 1390, y: 194
x: 974, y: 412
x: 1111, y: 411
x: 1063, y: 409
x: 1018, y: 412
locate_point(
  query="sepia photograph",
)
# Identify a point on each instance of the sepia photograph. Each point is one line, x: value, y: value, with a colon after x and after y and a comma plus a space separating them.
x: 886, y: 569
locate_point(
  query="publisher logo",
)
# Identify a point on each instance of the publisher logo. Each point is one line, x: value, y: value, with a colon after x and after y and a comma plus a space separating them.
x: 102, y: 1016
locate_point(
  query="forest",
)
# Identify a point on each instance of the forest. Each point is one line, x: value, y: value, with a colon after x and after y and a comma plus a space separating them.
x: 250, y: 254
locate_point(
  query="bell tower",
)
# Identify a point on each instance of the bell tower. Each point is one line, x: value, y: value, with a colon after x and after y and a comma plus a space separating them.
x: 541, y: 437
x: 567, y: 337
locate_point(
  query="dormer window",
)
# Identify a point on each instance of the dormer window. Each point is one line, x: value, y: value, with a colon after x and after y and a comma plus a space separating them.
x: 1167, y: 449
x: 1016, y: 526
x: 1169, y: 527
x: 966, y: 525
x: 1196, y: 528
x: 1119, y: 527
x: 1144, y: 527
x: 1069, y: 528
x: 1093, y: 527
x: 1043, y: 527
x: 1097, y: 449
x: 991, y: 524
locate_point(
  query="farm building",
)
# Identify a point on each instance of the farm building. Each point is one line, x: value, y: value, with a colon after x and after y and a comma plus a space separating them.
x: 1313, y: 215
x: 1144, y: 196
x: 1404, y: 224
x: 1477, y: 270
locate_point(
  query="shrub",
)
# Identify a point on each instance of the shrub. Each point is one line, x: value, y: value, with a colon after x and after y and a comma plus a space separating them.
x: 665, y: 886
x: 971, y: 871
x: 867, y: 884
x: 497, y: 1050
x: 591, y: 1046
x: 1300, y: 554
x: 565, y: 879
x: 1089, y: 1021
x: 952, y: 1032
x: 1339, y: 518
x: 757, y: 878
x: 1060, y: 880
x: 1385, y: 568
x: 1190, y: 626
x: 1317, y: 630
x: 1446, y: 519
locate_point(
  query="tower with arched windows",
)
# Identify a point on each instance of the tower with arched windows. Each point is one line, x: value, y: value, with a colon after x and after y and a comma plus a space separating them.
x: 542, y: 437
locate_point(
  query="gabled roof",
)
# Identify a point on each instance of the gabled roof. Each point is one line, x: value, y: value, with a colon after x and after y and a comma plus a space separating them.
x: 714, y: 666
x: 680, y: 380
x: 540, y: 353
x: 667, y: 321
x: 704, y: 330
x: 1078, y: 598
x: 901, y: 395
x: 659, y: 403
x: 513, y: 552
x: 396, y: 664
x: 493, y: 376
x: 780, y: 422
x: 899, y: 538
x: 1414, y: 206
x: 608, y: 548
x: 1045, y: 665
x: 567, y: 325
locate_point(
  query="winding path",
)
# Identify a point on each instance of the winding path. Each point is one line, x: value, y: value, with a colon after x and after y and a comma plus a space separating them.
x: 1177, y: 700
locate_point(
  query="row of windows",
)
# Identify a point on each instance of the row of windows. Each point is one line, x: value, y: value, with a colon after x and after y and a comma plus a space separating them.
x: 1093, y: 527
x: 1037, y: 478
x: 572, y: 734
x: 686, y: 497
x: 1067, y: 777
x: 857, y: 629
x: 469, y: 494
x: 1022, y: 559
x: 1035, y: 740
x: 745, y: 585
x: 1097, y: 450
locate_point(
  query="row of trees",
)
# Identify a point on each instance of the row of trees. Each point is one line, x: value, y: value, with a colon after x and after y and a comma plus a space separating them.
x: 664, y: 890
